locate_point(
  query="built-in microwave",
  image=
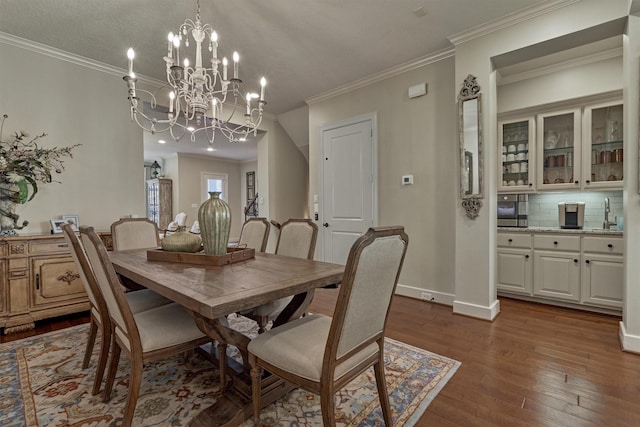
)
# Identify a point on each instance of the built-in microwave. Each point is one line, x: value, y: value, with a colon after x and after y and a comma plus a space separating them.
x: 513, y: 210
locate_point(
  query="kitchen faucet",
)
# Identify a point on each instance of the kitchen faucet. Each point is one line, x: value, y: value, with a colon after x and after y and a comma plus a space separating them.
x: 607, y: 208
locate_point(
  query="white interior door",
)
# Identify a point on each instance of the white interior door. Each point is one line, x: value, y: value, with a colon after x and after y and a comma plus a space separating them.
x: 349, y: 189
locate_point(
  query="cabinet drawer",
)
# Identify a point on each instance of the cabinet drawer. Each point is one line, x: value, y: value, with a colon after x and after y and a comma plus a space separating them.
x: 555, y: 242
x: 605, y: 245
x: 18, y: 264
x: 514, y: 240
x: 48, y: 247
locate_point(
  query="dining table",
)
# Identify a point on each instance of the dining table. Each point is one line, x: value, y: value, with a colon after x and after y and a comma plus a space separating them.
x: 212, y: 292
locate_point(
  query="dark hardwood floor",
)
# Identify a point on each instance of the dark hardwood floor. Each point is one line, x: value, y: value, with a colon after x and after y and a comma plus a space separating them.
x: 535, y: 365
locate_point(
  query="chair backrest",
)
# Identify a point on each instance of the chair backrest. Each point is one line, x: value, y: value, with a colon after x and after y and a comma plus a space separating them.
x: 134, y: 233
x: 179, y: 221
x: 297, y: 238
x: 369, y: 282
x: 255, y: 234
x: 84, y: 270
x: 111, y: 288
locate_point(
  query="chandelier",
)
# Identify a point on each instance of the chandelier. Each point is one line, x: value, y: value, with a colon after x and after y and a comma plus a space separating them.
x: 201, y: 99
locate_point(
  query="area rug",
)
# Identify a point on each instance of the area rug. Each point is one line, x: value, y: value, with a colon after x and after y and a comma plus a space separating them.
x: 42, y: 384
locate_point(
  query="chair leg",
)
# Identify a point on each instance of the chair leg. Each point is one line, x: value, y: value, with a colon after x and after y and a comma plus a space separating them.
x: 135, y: 378
x: 102, y: 358
x: 222, y: 364
x: 382, y: 391
x: 327, y: 406
x: 91, y: 340
x: 256, y: 388
x: 262, y: 322
x: 113, y: 368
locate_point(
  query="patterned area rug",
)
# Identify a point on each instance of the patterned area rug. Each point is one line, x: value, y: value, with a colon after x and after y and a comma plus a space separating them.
x: 43, y: 384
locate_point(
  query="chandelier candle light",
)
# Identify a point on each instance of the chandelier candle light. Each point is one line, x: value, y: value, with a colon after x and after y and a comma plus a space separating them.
x: 201, y: 99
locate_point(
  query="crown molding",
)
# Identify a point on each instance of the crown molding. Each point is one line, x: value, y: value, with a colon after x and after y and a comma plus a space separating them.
x: 509, y: 20
x: 559, y: 66
x: 15, y: 41
x: 383, y: 75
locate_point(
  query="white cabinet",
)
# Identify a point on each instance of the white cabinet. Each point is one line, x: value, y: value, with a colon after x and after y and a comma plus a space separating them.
x: 558, y: 148
x: 514, y: 263
x: 567, y: 149
x: 603, y: 158
x: 557, y: 275
x: 517, y: 159
x: 514, y: 270
x: 602, y: 271
x: 581, y: 270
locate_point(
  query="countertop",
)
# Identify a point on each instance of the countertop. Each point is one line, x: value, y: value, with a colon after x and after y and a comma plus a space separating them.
x: 589, y: 231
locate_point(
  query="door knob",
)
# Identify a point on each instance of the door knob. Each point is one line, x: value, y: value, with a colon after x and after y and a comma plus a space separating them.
x: 326, y: 224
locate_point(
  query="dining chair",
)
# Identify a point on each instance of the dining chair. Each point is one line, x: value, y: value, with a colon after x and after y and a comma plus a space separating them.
x: 255, y: 234
x: 151, y: 334
x: 134, y: 233
x: 179, y: 221
x: 99, y: 316
x: 323, y: 354
x: 297, y: 239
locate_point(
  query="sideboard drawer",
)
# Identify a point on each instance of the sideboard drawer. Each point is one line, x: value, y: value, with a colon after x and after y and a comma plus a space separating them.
x: 48, y: 247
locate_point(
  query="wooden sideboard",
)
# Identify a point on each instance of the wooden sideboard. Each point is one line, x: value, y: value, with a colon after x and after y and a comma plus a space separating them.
x: 38, y: 280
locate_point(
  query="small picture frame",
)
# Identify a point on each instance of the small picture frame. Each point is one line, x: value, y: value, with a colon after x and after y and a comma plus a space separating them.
x: 72, y: 220
x: 56, y: 224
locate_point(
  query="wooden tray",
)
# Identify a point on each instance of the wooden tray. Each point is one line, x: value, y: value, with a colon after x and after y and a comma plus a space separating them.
x: 233, y: 255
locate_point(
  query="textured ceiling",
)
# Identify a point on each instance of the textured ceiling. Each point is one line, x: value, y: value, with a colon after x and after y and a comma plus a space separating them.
x: 303, y: 47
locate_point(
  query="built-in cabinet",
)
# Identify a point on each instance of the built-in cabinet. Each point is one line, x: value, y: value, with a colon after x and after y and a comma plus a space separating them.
x: 574, y: 148
x: 160, y: 202
x: 38, y: 280
x: 515, y: 273
x: 580, y: 269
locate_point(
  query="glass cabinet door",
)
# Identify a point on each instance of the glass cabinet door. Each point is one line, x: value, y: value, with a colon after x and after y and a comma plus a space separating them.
x: 559, y: 149
x: 515, y: 140
x: 604, y: 158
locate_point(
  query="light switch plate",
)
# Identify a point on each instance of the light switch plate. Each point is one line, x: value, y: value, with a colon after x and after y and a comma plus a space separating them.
x: 407, y: 179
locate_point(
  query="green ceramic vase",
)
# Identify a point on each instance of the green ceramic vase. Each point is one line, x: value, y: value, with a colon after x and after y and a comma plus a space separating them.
x: 214, y: 217
x: 181, y: 241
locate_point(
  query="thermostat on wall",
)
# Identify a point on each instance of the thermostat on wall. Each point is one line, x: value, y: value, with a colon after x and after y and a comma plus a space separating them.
x: 407, y: 179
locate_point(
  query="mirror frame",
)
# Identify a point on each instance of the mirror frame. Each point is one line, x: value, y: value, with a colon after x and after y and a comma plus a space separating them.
x: 470, y: 91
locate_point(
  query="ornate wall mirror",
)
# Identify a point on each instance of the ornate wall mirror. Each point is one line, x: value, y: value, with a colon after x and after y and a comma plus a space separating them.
x: 470, y: 130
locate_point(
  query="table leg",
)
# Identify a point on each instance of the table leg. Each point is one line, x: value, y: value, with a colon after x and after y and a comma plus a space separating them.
x: 235, y: 404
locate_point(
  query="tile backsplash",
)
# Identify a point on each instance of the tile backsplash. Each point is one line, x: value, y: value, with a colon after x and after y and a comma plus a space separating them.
x: 543, y: 208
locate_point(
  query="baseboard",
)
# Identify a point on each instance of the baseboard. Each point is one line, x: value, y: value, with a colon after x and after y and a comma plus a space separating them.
x: 477, y: 311
x: 417, y: 293
x: 629, y: 342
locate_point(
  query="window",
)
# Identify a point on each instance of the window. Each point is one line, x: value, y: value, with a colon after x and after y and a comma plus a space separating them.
x: 214, y: 182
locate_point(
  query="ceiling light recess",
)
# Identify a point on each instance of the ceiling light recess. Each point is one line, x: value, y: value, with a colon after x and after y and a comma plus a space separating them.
x: 201, y: 99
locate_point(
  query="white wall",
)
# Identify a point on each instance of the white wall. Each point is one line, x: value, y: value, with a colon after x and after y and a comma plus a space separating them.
x: 75, y: 105
x: 630, y: 326
x: 415, y: 136
x: 581, y: 81
x: 285, y: 175
x: 188, y: 187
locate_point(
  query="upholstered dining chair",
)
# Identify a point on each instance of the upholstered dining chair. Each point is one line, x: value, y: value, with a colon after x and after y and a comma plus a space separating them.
x: 323, y: 354
x: 134, y: 233
x: 151, y: 334
x: 99, y: 316
x: 255, y: 234
x: 297, y: 239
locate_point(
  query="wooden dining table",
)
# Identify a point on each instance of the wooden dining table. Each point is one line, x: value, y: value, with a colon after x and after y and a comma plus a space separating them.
x: 212, y: 292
